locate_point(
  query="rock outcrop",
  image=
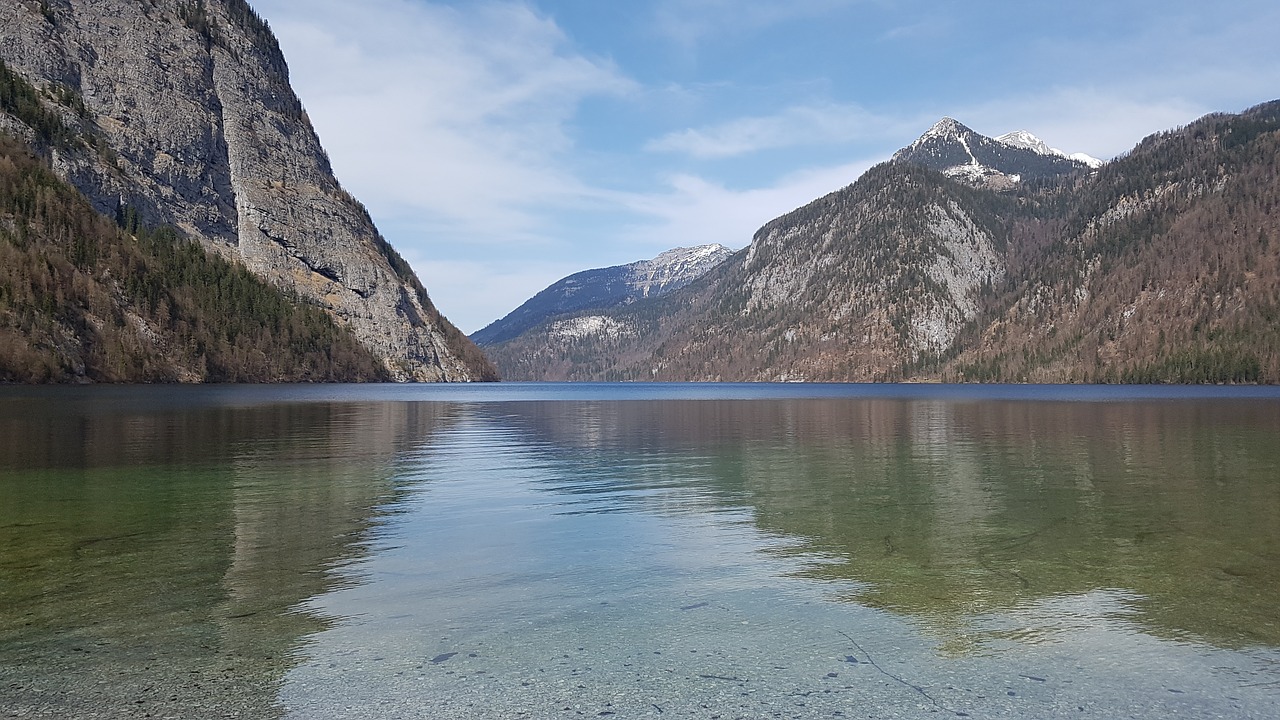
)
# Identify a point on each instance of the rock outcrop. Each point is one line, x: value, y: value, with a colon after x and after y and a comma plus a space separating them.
x: 193, y: 124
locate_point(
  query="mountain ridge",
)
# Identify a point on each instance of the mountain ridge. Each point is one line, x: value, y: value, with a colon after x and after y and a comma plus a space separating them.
x: 1028, y: 140
x: 604, y: 288
x: 957, y: 151
x: 1159, y: 266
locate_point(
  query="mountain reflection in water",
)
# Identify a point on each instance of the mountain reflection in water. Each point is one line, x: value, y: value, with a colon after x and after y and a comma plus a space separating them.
x: 944, y: 511
x: 493, y: 552
x: 154, y: 555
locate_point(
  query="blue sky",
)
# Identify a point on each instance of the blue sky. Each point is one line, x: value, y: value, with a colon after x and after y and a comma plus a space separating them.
x: 501, y: 145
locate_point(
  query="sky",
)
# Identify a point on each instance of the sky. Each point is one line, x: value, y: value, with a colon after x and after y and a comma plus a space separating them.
x: 501, y: 145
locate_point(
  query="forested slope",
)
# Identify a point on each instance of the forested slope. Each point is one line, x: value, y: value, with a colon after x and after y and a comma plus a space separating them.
x: 83, y: 298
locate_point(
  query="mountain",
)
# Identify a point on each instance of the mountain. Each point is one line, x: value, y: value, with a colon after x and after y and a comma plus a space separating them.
x: 180, y: 114
x: 605, y: 288
x: 1160, y: 266
x: 957, y: 151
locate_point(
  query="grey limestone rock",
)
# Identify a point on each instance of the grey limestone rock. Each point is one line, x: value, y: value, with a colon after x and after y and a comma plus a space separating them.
x: 200, y: 129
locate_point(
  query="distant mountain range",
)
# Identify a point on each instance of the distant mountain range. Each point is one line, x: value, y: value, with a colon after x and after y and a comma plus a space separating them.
x: 949, y: 263
x: 605, y: 288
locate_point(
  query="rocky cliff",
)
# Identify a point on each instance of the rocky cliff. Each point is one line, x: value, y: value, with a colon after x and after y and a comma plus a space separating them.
x: 1160, y: 266
x: 190, y: 121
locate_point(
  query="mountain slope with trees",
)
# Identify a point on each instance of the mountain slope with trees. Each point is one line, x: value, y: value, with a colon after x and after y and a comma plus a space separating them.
x: 605, y: 288
x: 84, y: 299
x: 1162, y: 267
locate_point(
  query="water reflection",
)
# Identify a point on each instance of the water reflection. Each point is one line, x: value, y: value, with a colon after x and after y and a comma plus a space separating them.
x: 815, y: 558
x: 944, y: 511
x: 153, y: 555
x: 200, y: 554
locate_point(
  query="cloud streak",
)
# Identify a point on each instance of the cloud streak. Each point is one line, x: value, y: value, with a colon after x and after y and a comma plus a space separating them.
x: 816, y: 124
x: 427, y: 115
x: 693, y: 210
x: 687, y: 23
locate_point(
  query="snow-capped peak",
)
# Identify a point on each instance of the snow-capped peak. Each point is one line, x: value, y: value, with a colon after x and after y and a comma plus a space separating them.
x: 1025, y: 140
x: 674, y: 268
x: 945, y: 130
x: 690, y: 255
x: 944, y: 127
x: 1089, y: 160
x: 996, y: 163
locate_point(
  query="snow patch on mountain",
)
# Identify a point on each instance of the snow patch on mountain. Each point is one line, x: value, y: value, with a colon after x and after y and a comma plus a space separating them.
x: 1087, y: 159
x: 604, y: 288
x: 1026, y: 140
x: 676, y: 267
x: 581, y: 327
x: 975, y: 172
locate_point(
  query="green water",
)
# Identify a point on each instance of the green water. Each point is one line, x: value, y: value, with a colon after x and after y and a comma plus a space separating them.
x: 151, y: 556
x: 562, y: 551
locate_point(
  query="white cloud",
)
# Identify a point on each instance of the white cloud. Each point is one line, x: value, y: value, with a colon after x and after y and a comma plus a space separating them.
x: 696, y: 211
x: 434, y: 112
x: 816, y: 124
x: 932, y: 27
x: 686, y: 23
x: 1101, y: 122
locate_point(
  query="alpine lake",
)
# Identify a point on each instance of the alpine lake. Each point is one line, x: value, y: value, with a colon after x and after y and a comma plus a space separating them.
x: 639, y: 551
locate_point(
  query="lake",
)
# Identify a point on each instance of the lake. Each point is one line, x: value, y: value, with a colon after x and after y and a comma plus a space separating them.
x: 656, y: 551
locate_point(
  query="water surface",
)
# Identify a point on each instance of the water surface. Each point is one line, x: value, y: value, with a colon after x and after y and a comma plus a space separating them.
x: 640, y: 551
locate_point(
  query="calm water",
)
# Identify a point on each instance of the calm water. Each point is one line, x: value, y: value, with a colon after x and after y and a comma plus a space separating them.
x: 673, y: 551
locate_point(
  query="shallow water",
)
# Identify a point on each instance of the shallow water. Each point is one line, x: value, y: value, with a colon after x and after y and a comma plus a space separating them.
x: 640, y: 551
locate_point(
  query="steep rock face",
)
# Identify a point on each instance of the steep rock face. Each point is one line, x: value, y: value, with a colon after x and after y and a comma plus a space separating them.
x: 897, y: 245
x: 84, y: 300
x: 605, y: 288
x: 199, y: 129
